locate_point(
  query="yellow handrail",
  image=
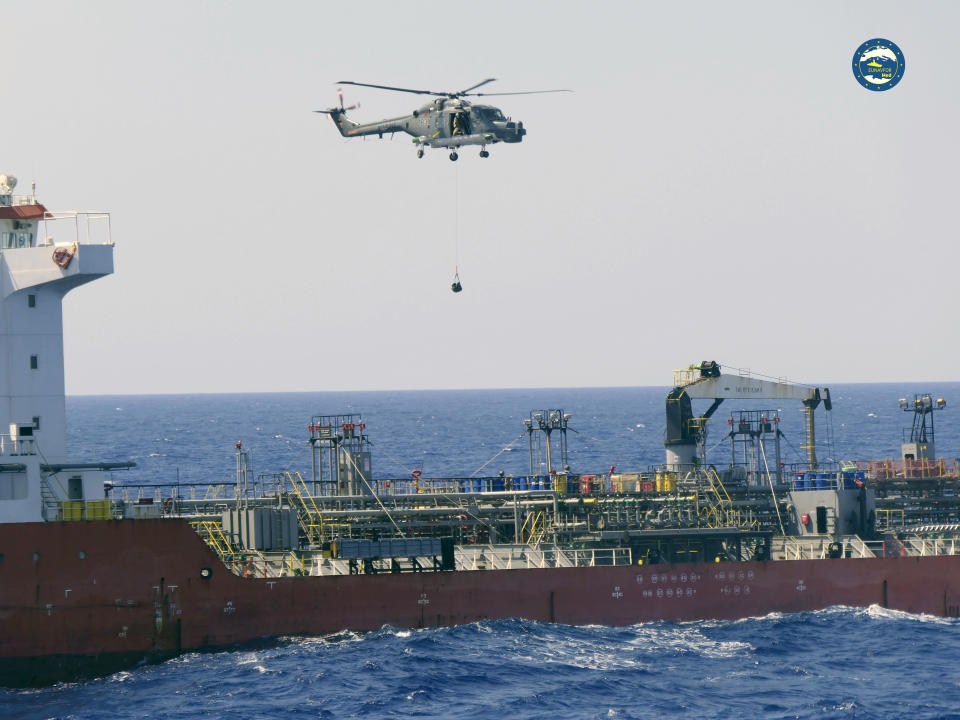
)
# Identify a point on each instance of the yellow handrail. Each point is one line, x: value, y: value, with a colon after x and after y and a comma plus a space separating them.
x: 212, y: 530
x: 538, y: 528
x: 309, y: 506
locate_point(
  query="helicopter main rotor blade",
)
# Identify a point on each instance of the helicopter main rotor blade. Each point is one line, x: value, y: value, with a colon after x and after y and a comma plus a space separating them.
x: 525, y: 92
x: 474, y: 87
x: 390, y: 87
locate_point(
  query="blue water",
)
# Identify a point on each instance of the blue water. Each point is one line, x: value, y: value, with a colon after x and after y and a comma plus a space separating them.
x: 191, y: 438
x: 836, y: 663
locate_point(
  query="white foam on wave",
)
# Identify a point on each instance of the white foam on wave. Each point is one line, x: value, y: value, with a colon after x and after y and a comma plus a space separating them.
x: 687, y: 639
x: 881, y: 613
x: 650, y: 641
x: 247, y: 658
x: 604, y: 659
x: 596, y: 653
x: 343, y: 636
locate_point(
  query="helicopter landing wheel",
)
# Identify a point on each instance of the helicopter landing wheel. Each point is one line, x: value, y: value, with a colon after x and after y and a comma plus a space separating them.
x: 420, y: 153
x: 484, y: 153
x: 453, y: 156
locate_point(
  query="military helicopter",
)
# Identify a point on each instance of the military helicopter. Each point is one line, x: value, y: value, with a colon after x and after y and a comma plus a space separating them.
x: 447, y: 122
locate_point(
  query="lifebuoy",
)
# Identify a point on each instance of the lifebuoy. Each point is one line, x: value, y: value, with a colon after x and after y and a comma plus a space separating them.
x: 62, y: 257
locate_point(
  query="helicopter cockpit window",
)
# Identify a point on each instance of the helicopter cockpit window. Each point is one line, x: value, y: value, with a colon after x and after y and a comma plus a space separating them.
x: 490, y: 114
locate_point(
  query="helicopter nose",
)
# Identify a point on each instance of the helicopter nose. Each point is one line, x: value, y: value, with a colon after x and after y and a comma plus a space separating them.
x: 515, y: 130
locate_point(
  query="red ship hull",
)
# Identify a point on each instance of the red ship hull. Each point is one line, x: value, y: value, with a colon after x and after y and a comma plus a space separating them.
x: 82, y: 598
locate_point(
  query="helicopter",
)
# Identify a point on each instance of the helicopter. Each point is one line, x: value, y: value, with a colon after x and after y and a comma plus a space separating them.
x: 449, y: 121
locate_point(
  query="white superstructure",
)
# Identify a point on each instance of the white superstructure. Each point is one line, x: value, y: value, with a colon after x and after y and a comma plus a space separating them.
x: 43, y: 256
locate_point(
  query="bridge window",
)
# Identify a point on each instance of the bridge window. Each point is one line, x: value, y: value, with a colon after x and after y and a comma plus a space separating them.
x: 31, y: 300
x: 34, y: 362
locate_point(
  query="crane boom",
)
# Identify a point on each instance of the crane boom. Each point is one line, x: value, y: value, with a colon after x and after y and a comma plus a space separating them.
x: 706, y: 382
x: 726, y: 387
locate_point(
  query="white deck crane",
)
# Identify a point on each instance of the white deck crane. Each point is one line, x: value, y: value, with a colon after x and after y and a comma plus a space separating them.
x: 685, y: 431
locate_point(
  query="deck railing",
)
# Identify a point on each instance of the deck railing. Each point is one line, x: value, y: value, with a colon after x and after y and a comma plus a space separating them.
x: 17, y: 445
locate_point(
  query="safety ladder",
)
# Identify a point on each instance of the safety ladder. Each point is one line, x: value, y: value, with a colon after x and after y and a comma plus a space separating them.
x: 311, y: 519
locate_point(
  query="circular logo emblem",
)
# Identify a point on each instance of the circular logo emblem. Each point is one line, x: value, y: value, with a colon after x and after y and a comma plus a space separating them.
x: 878, y: 64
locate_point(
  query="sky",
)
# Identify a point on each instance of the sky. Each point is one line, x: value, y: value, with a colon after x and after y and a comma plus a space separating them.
x: 717, y: 186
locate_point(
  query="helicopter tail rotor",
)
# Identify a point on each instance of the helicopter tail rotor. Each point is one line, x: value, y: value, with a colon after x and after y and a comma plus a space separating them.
x: 338, y: 114
x: 341, y: 110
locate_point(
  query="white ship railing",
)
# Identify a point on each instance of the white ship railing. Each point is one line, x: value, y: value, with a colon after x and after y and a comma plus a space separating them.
x: 931, y: 546
x: 15, y: 200
x: 89, y: 227
x: 17, y: 445
x: 818, y: 548
x: 516, y: 557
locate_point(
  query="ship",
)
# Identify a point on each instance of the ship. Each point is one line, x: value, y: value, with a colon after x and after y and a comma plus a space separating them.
x: 97, y: 576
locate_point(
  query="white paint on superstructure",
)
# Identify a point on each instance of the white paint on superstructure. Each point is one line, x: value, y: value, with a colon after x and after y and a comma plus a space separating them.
x: 42, y: 257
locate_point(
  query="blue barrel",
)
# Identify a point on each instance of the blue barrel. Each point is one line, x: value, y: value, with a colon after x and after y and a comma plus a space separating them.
x: 821, y: 480
x: 800, y: 481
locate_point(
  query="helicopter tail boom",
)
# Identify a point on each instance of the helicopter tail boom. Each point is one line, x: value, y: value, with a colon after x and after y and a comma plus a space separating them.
x: 348, y: 128
x: 343, y: 123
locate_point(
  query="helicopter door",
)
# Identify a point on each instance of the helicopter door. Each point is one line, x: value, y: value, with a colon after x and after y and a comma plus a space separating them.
x: 459, y: 123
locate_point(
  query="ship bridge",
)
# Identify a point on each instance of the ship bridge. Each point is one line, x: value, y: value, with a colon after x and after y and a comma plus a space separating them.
x: 43, y: 255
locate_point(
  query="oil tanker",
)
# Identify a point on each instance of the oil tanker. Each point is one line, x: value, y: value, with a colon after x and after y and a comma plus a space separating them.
x: 96, y: 577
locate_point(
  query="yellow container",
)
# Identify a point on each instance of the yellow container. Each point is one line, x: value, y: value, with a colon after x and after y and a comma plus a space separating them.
x: 560, y: 484
x: 99, y: 510
x: 666, y: 482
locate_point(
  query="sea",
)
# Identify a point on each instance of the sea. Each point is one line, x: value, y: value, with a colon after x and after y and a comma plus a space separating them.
x: 839, y: 662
